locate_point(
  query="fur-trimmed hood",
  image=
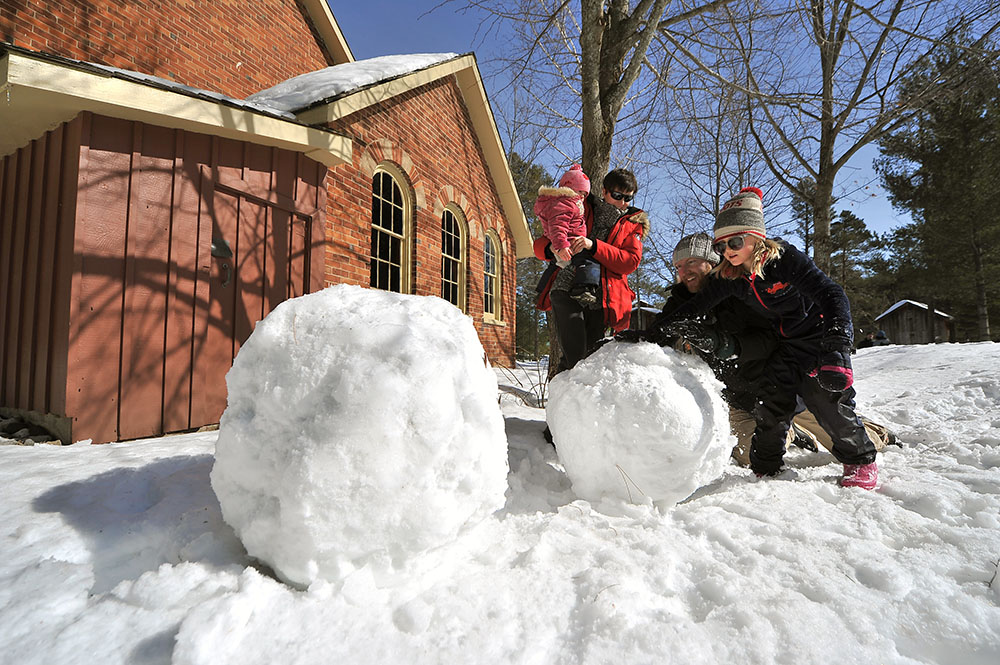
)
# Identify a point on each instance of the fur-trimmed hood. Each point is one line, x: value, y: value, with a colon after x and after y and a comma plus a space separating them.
x: 641, y: 218
x: 557, y: 191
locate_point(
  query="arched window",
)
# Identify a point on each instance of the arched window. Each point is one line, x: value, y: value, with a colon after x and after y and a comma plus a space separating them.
x: 492, y: 272
x: 390, y: 249
x: 453, y: 257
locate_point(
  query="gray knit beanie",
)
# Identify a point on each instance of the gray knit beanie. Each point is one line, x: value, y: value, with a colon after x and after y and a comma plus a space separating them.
x: 744, y: 213
x: 696, y: 245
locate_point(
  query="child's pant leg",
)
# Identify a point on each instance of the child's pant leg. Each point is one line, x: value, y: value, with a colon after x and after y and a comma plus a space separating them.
x: 774, y: 411
x: 835, y: 414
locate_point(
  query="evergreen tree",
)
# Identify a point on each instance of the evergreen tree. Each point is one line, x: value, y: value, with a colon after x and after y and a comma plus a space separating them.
x: 854, y: 253
x: 532, y: 338
x: 941, y: 168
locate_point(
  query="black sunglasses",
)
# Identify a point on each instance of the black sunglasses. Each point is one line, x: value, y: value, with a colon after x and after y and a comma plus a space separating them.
x: 734, y: 243
x: 618, y: 196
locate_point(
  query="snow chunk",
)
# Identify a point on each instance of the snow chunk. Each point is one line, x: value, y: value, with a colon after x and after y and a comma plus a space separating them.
x: 363, y: 429
x: 306, y: 89
x: 637, y: 422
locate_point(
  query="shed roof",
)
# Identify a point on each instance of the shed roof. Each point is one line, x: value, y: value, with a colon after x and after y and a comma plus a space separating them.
x: 41, y: 91
x: 913, y: 303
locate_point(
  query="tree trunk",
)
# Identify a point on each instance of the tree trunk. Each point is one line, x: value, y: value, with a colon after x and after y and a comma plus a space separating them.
x: 982, y: 302
x: 595, y: 137
x: 822, y: 203
x: 555, y: 349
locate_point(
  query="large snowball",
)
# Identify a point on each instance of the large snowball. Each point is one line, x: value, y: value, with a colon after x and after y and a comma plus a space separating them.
x: 363, y: 428
x: 637, y: 422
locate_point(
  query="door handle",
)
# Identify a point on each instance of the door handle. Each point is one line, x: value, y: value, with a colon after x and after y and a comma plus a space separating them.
x: 229, y: 275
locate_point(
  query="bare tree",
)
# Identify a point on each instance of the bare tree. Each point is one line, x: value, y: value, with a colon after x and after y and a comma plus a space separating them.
x: 588, y: 66
x: 821, y: 77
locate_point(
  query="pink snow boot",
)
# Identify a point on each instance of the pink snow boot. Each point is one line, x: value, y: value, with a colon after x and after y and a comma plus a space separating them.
x: 864, y: 476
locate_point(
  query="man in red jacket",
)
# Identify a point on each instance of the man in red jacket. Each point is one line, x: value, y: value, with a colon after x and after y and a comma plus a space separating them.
x: 615, y: 231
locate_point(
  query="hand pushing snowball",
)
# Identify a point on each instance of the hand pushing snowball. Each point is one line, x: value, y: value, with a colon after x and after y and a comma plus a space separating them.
x: 363, y: 429
x: 638, y: 422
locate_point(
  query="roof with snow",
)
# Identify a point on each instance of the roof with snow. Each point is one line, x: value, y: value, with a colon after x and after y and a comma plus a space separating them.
x: 327, y: 95
x: 308, y: 90
x: 45, y: 90
x: 914, y: 303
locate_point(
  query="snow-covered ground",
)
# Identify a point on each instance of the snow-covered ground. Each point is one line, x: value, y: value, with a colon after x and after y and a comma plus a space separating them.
x: 119, y: 554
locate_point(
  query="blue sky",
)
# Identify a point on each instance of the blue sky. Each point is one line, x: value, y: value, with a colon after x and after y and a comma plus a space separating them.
x: 379, y: 27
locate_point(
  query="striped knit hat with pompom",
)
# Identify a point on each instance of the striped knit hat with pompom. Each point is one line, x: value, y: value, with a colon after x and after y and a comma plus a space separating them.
x: 744, y: 213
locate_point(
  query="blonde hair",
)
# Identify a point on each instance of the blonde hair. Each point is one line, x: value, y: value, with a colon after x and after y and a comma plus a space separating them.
x: 765, y: 250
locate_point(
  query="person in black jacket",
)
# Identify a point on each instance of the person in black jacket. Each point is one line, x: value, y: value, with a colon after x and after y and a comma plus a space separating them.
x: 736, y: 342
x: 811, y: 317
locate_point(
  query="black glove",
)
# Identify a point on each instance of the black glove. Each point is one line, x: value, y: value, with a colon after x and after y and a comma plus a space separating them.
x: 702, y: 337
x: 631, y: 336
x: 598, y: 344
x: 833, y: 367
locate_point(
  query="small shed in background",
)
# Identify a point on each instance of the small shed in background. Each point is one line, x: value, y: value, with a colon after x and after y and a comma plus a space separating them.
x: 911, y: 322
x: 643, y: 314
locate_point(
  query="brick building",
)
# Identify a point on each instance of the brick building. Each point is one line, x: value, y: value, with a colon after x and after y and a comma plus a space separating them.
x: 151, y: 214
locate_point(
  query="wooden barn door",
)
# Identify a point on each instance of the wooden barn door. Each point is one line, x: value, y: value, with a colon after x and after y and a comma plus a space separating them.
x: 155, y: 316
x: 263, y: 250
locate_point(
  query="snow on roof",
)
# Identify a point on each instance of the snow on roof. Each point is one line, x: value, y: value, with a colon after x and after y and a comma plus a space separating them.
x: 306, y: 90
x: 910, y: 302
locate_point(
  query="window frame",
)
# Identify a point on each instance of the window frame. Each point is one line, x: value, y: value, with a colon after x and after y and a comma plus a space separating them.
x: 496, y: 314
x: 461, y: 227
x: 400, y: 180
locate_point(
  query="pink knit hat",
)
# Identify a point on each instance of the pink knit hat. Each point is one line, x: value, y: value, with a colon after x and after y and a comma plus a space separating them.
x: 575, y: 179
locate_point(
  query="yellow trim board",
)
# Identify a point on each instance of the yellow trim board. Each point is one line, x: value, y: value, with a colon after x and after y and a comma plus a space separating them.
x: 39, y: 95
x: 329, y: 30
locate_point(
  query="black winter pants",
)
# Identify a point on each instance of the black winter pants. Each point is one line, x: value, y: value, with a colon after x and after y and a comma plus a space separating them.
x: 578, y: 328
x: 787, y: 375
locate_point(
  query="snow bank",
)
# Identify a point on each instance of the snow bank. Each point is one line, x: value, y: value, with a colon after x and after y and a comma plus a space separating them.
x: 637, y: 422
x: 363, y: 429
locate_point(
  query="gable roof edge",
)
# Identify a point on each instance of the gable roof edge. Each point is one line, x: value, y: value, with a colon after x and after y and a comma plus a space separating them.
x: 470, y: 84
x: 329, y: 30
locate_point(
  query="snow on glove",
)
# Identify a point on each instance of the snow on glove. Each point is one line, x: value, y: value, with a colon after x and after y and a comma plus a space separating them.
x: 704, y: 338
x: 834, y: 371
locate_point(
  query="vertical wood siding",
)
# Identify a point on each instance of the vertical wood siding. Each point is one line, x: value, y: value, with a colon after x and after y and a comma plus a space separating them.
x: 113, y: 311
x: 37, y: 206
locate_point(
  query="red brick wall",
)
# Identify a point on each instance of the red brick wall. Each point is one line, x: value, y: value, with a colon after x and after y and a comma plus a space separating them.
x: 236, y: 47
x: 428, y: 135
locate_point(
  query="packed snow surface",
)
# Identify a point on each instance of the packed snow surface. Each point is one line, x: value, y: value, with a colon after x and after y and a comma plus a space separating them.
x: 639, y: 423
x: 306, y: 89
x: 119, y: 554
x: 362, y: 430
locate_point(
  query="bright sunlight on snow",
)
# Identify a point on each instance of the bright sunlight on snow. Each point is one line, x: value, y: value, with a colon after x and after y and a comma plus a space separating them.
x: 640, y: 423
x: 119, y: 554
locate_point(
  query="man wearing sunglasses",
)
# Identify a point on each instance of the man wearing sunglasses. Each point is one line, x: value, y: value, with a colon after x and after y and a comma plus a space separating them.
x: 615, y: 231
x: 736, y: 342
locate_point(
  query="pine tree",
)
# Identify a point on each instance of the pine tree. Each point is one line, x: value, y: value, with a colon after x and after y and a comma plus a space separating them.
x: 941, y: 168
x: 532, y: 338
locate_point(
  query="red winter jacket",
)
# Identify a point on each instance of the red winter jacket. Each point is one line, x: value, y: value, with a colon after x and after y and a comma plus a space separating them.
x: 559, y: 211
x: 619, y: 255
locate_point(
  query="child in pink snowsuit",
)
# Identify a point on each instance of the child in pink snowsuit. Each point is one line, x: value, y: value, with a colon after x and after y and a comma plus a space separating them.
x: 560, y: 210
